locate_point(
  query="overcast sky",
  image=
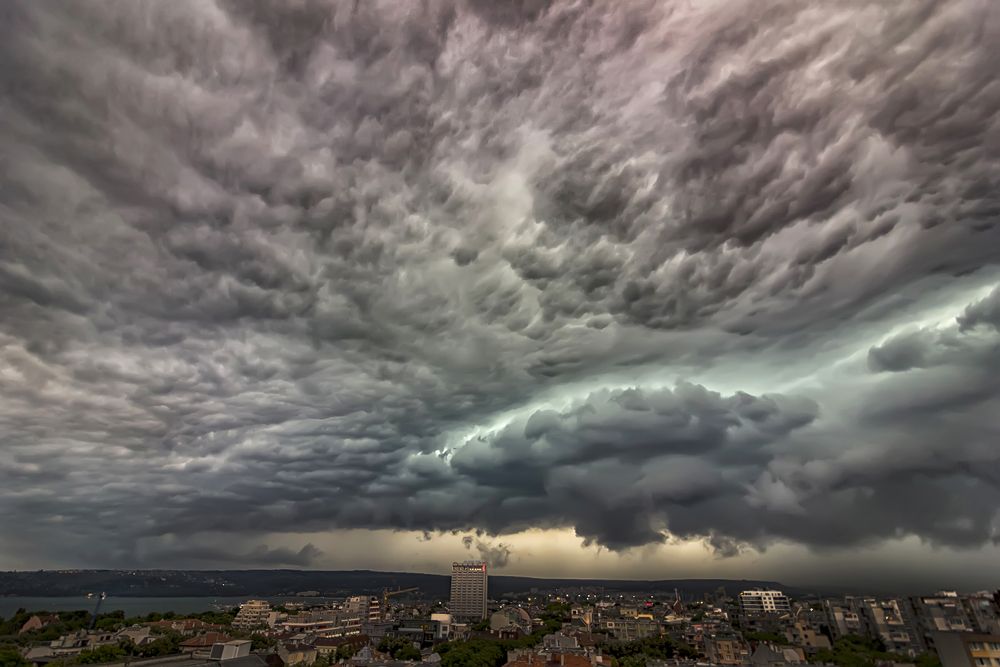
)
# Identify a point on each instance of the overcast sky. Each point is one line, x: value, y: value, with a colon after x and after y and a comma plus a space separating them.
x: 636, y: 289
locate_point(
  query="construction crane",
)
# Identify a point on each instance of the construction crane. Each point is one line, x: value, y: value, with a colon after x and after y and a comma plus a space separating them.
x: 386, y: 594
x: 97, y: 608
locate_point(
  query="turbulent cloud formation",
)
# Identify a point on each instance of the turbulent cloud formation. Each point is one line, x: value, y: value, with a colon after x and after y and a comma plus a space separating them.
x: 652, y: 271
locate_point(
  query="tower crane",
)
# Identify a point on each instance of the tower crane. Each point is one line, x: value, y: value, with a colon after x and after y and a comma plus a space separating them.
x: 386, y: 594
x: 97, y: 608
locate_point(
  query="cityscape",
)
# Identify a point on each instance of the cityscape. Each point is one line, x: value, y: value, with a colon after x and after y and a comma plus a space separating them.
x: 478, y: 626
x: 500, y: 333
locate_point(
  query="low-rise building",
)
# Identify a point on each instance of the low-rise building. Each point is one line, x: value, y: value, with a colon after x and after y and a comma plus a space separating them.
x: 38, y: 622
x: 531, y: 659
x: 204, y: 642
x: 726, y: 649
x: 768, y: 655
x: 584, y: 615
x: 803, y: 634
x: 444, y: 622
x: 329, y: 646
x: 631, y: 629
x: 559, y: 642
x: 297, y: 654
x: 184, y: 626
x: 510, y: 621
x: 140, y: 635
x: 556, y: 658
x: 419, y: 631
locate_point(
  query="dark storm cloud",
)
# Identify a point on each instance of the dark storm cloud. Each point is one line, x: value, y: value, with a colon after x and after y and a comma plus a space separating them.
x: 296, y: 266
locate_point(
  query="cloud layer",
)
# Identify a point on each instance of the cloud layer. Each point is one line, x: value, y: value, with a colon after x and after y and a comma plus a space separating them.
x: 651, y: 271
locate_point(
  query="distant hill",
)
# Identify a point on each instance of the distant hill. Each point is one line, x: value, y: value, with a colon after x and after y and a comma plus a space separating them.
x: 185, y: 583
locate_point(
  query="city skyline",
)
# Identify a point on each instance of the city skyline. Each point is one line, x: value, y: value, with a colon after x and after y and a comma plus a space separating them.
x: 658, y: 289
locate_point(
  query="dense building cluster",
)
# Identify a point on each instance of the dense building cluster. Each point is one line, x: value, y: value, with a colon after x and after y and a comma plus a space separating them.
x: 576, y: 627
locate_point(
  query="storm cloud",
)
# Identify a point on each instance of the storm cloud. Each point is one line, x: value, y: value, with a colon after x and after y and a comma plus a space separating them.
x: 651, y: 271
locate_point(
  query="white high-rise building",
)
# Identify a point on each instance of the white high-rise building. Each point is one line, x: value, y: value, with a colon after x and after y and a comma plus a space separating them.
x: 468, y: 590
x: 760, y: 601
x: 253, y: 614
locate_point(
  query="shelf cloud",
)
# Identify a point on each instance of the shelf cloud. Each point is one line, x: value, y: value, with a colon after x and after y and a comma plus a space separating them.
x: 720, y: 271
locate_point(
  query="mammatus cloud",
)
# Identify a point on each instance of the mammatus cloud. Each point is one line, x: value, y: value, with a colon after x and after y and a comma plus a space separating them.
x: 654, y: 272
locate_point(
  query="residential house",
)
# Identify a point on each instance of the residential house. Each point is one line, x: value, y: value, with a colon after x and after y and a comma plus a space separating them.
x: 328, y: 646
x: 203, y: 643
x: 510, y: 622
x: 297, y: 654
x: 803, y: 634
x: 139, y: 635
x: 38, y: 622
x: 726, y: 649
x: 768, y: 655
x: 184, y: 626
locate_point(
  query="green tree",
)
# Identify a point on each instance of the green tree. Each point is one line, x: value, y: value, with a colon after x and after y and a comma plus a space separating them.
x: 855, y: 651
x: 398, y: 646
x: 557, y: 610
x: 108, y: 624
x: 262, y: 643
x: 475, y: 653
x: 126, y: 644
x: 928, y: 660
x: 101, y: 654
x: 686, y: 651
x: 167, y: 643
x: 633, y: 661
x: 407, y: 652
x: 11, y: 657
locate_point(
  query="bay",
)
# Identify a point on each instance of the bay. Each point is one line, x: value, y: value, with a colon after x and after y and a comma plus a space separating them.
x: 134, y: 606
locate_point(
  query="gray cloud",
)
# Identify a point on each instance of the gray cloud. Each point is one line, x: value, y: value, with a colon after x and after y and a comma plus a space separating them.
x: 194, y: 555
x: 985, y: 312
x: 273, y: 267
x: 497, y: 556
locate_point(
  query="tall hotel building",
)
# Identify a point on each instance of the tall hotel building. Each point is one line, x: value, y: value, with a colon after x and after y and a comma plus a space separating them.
x: 468, y: 590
